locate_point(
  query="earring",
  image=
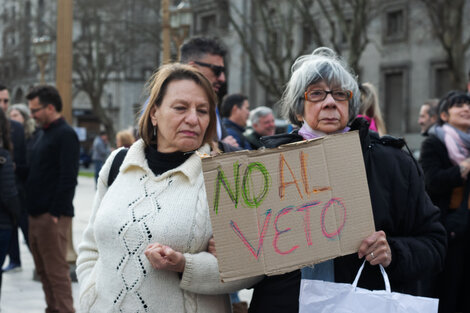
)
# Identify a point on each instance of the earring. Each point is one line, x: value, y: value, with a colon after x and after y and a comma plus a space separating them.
x: 155, y: 131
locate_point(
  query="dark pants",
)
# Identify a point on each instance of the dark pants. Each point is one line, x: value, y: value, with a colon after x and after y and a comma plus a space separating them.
x: 453, y: 283
x: 5, y: 236
x: 14, y: 250
x: 48, y: 243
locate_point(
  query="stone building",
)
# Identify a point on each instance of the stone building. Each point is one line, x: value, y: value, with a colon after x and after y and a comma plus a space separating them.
x: 402, y: 57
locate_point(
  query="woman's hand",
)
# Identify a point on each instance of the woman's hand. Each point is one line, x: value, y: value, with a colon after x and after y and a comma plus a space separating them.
x: 376, y: 249
x: 162, y: 257
x: 211, y: 247
x: 464, y: 168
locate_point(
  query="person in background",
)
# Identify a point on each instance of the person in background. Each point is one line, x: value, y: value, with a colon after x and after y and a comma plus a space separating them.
x: 101, y: 151
x: 145, y: 246
x: 17, y: 136
x: 20, y: 113
x: 428, y: 115
x: 445, y: 159
x: 207, y: 55
x: 322, y: 98
x: 370, y: 108
x: 124, y: 138
x: 262, y: 122
x: 235, y: 110
x: 9, y: 202
x: 50, y: 189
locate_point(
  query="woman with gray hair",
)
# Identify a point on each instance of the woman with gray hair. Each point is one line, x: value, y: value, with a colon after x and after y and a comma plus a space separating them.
x: 20, y: 112
x: 322, y: 98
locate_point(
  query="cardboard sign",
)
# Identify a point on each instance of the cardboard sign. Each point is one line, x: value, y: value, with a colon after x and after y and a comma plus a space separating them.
x: 280, y: 209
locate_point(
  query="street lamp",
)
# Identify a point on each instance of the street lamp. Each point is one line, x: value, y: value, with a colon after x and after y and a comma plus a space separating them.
x: 180, y: 21
x: 42, y: 49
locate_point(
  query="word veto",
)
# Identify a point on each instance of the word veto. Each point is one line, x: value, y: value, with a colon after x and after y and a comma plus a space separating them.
x: 305, y: 209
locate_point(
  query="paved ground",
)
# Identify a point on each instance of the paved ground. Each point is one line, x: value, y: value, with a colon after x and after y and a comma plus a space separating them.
x: 20, y: 294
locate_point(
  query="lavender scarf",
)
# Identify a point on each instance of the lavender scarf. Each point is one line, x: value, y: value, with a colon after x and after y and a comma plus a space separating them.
x: 308, y: 133
x: 457, y: 142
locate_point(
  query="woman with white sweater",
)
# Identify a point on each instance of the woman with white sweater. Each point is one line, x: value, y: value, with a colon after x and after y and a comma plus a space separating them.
x: 144, y: 249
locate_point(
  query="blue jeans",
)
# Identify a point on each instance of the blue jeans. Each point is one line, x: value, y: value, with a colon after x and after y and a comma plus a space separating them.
x: 322, y: 271
x: 98, y: 166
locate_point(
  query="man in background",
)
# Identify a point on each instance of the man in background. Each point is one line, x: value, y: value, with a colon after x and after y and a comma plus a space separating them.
x: 428, y: 115
x: 235, y: 110
x: 101, y: 151
x: 207, y: 55
x: 50, y: 189
x: 262, y: 122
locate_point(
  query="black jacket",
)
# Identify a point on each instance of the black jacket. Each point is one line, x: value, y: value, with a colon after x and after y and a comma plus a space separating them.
x: 442, y: 178
x: 401, y: 209
x: 50, y: 187
x: 19, y: 150
x: 9, y: 203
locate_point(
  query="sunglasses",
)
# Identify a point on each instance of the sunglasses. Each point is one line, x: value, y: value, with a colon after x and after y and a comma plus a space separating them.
x: 217, y: 70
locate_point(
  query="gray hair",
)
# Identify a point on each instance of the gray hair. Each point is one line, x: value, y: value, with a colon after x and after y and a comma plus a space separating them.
x: 258, y: 113
x: 322, y: 65
x: 29, y: 124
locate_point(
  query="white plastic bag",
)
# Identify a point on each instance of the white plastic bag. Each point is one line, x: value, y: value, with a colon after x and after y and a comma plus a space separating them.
x: 325, y: 297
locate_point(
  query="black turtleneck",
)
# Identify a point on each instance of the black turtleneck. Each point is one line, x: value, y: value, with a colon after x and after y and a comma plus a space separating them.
x: 160, y: 162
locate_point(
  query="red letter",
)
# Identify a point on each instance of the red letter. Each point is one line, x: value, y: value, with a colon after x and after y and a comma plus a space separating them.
x: 306, y: 208
x: 237, y: 231
x: 278, y: 232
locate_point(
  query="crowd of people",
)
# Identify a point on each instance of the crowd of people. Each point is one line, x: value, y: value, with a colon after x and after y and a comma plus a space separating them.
x: 148, y: 246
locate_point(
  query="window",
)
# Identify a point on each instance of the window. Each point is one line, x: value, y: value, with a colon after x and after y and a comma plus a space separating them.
x: 442, y: 82
x: 395, y: 86
x: 395, y: 24
x: 208, y: 23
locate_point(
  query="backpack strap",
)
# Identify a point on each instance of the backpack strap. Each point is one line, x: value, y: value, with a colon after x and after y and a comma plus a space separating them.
x: 117, y: 161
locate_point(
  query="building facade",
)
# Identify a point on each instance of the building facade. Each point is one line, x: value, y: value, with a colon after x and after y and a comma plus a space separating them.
x: 402, y: 57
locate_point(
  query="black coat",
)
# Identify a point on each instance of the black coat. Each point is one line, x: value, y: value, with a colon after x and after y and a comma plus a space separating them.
x: 9, y: 204
x: 401, y: 209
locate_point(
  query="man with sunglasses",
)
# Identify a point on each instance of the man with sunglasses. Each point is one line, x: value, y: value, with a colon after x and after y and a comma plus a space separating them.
x: 207, y: 55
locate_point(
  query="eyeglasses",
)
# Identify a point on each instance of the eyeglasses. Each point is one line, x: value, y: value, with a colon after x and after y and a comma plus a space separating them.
x: 34, y: 111
x: 217, y: 70
x: 320, y: 95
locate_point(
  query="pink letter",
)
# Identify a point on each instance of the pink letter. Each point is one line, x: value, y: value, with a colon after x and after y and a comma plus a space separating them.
x: 306, y: 208
x: 237, y: 231
x: 278, y: 232
x: 323, y: 213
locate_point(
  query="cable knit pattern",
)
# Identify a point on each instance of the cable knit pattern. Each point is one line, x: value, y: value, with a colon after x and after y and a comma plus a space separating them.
x: 139, y: 209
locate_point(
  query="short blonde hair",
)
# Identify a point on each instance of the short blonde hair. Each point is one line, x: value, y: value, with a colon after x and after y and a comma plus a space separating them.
x: 125, y: 137
x: 157, y: 86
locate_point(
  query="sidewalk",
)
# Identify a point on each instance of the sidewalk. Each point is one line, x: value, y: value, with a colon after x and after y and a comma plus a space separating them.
x: 21, y: 294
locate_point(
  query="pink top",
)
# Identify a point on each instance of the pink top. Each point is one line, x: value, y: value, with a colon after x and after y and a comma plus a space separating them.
x: 371, y: 122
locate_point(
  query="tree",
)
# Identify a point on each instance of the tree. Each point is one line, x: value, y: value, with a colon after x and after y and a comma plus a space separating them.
x: 270, y: 37
x: 447, y: 18
x: 109, y: 34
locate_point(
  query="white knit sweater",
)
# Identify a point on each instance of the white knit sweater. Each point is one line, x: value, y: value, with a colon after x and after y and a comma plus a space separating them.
x: 139, y: 209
